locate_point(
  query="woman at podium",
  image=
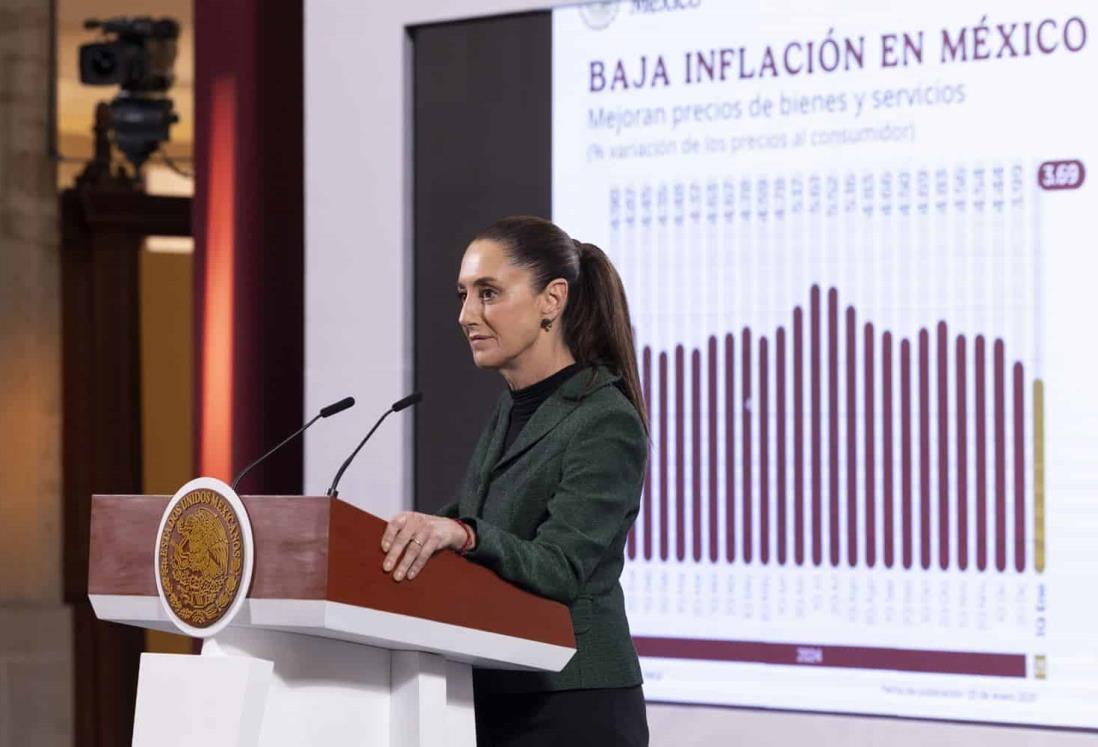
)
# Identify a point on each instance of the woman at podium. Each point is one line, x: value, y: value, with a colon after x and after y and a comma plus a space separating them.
x: 554, y: 483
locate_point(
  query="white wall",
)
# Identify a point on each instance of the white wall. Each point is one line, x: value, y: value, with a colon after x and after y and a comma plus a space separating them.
x: 358, y: 329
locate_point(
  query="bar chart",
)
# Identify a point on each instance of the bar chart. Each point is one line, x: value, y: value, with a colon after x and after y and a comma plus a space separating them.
x: 902, y: 437
x: 842, y: 378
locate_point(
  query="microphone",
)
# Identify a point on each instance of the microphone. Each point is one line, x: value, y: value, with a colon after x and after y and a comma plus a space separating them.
x: 325, y: 412
x: 412, y: 399
x: 335, y: 408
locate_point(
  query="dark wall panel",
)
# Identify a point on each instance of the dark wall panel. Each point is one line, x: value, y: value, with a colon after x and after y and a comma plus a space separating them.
x: 254, y: 50
x: 482, y: 150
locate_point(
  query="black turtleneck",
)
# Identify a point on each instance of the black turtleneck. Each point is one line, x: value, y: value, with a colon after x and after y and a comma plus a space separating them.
x: 525, y: 401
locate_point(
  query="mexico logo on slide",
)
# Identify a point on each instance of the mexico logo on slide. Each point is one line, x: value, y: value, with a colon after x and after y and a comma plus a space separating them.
x: 204, y: 555
x: 599, y: 15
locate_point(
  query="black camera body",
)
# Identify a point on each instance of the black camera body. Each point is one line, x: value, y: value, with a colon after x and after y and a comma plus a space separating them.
x: 139, y: 59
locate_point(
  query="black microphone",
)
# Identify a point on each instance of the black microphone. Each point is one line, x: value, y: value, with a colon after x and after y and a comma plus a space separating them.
x: 325, y: 412
x: 336, y: 407
x: 412, y: 399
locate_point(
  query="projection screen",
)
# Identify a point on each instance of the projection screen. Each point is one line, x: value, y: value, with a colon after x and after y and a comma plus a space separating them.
x: 858, y: 244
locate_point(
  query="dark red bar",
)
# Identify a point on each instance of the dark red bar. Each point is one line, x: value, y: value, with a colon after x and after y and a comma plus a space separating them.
x: 764, y: 455
x: 851, y: 443
x: 1000, y: 459
x: 887, y: 516
x: 905, y: 450
x: 713, y: 449
x: 840, y: 657
x: 745, y: 448
x: 943, y: 447
x: 696, y: 452
x: 924, y: 449
x: 680, y: 456
x: 870, y: 475
x: 962, y: 458
x: 815, y: 436
x: 646, y: 506
x: 1019, y: 470
x: 981, y: 457
x: 664, y: 538
x: 779, y: 446
x: 729, y: 452
x: 631, y: 541
x: 833, y: 422
x: 798, y: 436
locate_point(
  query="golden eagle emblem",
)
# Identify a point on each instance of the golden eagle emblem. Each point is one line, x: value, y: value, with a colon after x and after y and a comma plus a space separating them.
x: 201, y: 557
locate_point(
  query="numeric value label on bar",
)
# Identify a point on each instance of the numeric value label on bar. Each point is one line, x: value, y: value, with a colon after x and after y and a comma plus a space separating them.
x: 1056, y: 175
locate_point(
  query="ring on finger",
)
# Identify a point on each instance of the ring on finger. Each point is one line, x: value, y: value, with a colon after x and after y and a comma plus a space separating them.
x: 417, y: 541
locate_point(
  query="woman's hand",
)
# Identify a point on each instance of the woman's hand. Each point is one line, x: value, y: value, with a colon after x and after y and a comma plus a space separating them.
x: 411, y: 539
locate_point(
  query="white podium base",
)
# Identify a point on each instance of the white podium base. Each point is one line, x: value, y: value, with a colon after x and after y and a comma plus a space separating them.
x: 274, y: 689
x: 188, y: 700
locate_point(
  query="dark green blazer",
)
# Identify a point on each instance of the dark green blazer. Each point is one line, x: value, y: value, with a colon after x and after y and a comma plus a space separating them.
x: 552, y: 515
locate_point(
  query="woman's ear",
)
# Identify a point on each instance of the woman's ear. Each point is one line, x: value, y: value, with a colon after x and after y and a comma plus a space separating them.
x: 554, y: 298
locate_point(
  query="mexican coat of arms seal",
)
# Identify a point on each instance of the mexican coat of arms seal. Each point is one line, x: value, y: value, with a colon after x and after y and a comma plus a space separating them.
x: 204, y: 556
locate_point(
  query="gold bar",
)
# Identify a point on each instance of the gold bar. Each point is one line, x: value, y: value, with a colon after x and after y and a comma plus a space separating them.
x: 1039, y: 474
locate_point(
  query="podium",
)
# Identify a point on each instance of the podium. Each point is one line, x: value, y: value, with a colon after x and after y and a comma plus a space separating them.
x: 325, y: 648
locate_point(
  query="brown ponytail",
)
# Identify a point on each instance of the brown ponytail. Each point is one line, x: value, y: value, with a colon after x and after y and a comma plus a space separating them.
x: 597, y: 329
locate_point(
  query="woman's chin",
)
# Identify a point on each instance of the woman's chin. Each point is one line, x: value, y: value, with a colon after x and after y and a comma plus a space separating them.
x: 486, y: 361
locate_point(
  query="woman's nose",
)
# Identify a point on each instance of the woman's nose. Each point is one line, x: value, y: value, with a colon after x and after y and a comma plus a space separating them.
x: 466, y: 315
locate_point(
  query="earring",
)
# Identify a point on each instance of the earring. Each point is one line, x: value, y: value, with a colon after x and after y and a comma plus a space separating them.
x: 546, y: 324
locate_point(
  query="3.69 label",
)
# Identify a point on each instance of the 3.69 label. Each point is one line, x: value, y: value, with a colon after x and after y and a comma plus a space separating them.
x: 1061, y: 174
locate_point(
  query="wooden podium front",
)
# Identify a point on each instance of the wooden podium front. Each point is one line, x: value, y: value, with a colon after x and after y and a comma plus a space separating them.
x: 349, y: 656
